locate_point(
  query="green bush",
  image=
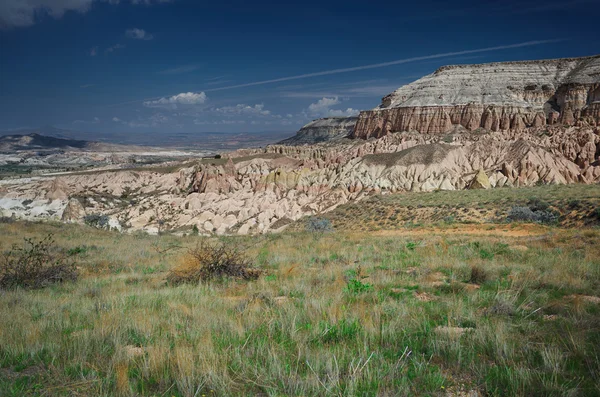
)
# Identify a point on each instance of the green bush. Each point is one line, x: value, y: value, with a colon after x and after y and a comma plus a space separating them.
x: 353, y: 283
x: 99, y: 221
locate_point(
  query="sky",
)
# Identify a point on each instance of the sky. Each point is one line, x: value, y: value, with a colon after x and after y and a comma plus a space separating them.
x: 172, y: 66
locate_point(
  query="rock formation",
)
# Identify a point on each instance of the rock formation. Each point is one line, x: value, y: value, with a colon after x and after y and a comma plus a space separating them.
x: 74, y: 212
x: 322, y: 130
x: 481, y: 181
x: 495, y: 96
x: 258, y: 190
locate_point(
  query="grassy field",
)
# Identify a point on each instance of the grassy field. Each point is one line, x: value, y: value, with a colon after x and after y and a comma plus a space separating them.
x: 576, y: 205
x: 497, y: 310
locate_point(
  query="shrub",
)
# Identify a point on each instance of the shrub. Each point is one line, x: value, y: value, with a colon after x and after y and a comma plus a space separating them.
x: 353, y: 283
x: 96, y: 220
x: 478, y: 275
x: 213, y: 260
x: 525, y: 214
x: 35, y: 265
x: 355, y: 286
x: 318, y: 225
x: 450, y: 219
x: 536, y: 204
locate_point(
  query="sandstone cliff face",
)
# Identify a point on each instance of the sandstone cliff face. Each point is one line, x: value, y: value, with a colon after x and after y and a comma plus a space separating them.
x: 322, y: 130
x: 495, y: 96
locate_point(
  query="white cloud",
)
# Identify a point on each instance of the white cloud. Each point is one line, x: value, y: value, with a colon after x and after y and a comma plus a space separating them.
x: 242, y: 109
x: 185, y: 98
x: 116, y: 119
x: 322, y: 108
x: 95, y: 120
x: 138, y: 34
x: 23, y: 13
x: 93, y: 51
x: 343, y: 113
x: 323, y: 105
x: 233, y: 121
x: 113, y: 48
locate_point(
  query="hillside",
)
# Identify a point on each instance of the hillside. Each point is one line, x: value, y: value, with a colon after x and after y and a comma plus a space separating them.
x: 322, y: 130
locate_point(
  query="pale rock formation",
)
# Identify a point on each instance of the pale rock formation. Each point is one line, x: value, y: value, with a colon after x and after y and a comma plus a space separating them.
x: 259, y: 190
x: 495, y: 96
x: 73, y: 212
x: 481, y: 181
x: 57, y: 190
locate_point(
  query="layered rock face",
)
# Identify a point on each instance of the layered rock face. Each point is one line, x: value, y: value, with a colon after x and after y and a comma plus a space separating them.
x: 322, y: 130
x: 509, y: 96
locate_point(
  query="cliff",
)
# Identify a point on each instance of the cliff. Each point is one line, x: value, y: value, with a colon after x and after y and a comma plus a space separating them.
x: 495, y: 96
x: 322, y: 130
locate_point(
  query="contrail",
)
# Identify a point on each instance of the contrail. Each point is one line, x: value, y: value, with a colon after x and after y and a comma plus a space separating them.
x: 372, y: 66
x: 384, y: 64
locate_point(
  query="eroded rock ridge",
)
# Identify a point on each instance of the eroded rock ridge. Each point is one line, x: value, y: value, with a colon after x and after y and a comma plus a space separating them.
x: 495, y: 96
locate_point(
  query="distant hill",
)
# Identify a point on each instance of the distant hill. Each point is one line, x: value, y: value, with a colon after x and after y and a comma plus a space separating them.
x: 34, y: 141
x: 211, y: 141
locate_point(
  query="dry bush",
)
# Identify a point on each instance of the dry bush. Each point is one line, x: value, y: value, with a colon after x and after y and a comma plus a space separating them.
x: 35, y: 265
x: 213, y: 260
x: 478, y: 275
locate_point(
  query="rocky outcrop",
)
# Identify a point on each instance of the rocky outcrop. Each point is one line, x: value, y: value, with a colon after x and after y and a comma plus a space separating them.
x: 481, y: 181
x: 58, y: 190
x: 505, y: 96
x: 74, y: 212
x: 322, y: 130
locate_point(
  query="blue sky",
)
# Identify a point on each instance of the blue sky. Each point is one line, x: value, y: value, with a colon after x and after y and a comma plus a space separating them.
x: 171, y: 66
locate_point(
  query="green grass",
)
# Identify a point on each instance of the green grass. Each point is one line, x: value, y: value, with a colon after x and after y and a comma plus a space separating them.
x: 350, y: 314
